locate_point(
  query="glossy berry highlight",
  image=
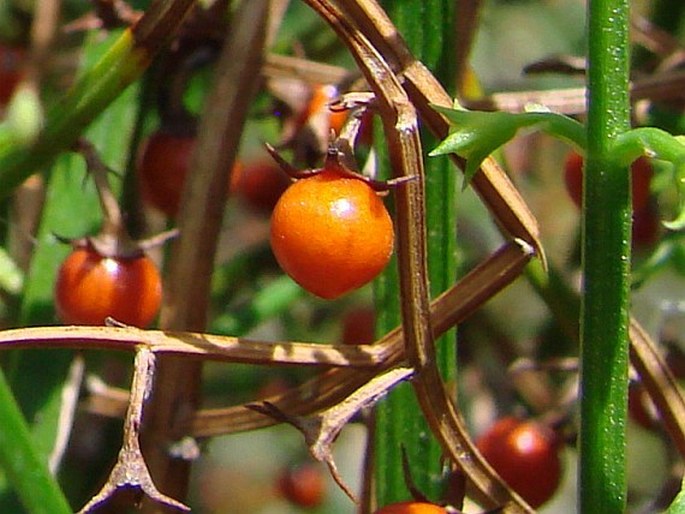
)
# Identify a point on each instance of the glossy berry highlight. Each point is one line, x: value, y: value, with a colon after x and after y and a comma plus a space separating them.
x: 331, y: 233
x: 526, y: 455
x: 90, y: 287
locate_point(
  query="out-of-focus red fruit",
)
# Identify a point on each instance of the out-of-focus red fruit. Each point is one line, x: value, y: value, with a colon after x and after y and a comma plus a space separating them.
x: 162, y: 169
x: 303, y: 485
x: 641, y: 171
x: 358, y: 326
x: 259, y: 184
x: 646, y: 227
x: 526, y: 456
x: 11, y: 63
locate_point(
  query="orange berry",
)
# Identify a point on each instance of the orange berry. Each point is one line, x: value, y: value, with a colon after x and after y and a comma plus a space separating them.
x: 303, y: 485
x: 90, y: 287
x: 411, y: 507
x: 331, y: 233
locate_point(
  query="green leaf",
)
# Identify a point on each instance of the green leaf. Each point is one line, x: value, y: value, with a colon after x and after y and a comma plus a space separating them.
x: 477, y: 134
x: 71, y: 209
x: 656, y: 144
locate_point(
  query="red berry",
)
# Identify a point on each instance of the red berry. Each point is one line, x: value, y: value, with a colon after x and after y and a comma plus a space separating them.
x: 331, y: 233
x: 646, y: 227
x: 11, y: 61
x: 162, y: 168
x: 526, y: 456
x: 91, y: 287
x: 641, y: 171
x: 304, y: 485
x: 411, y: 507
x: 359, y: 326
x: 259, y: 184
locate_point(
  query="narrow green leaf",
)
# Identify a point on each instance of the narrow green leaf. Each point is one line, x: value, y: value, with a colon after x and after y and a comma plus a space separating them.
x: 71, y: 210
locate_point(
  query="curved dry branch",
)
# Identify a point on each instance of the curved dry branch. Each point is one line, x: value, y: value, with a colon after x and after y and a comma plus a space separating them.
x: 400, y: 122
x: 450, y: 308
x: 195, y: 345
x: 491, y: 182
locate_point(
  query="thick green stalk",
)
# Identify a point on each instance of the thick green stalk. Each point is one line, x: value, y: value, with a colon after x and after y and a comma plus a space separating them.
x: 19, y: 459
x: 427, y: 27
x: 606, y: 265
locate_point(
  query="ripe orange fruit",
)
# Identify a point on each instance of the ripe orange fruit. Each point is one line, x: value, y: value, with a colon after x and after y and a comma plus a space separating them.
x: 411, y: 507
x: 90, y: 287
x: 331, y: 233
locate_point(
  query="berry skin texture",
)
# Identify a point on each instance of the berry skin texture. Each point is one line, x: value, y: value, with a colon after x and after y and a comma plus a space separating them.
x: 162, y: 168
x: 526, y: 456
x: 411, y: 507
x: 331, y: 233
x: 641, y: 172
x: 303, y: 485
x: 91, y: 287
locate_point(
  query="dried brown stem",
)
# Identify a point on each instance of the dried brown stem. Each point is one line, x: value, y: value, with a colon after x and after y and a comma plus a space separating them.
x: 659, y: 381
x: 130, y: 470
x: 187, y: 283
x: 491, y: 182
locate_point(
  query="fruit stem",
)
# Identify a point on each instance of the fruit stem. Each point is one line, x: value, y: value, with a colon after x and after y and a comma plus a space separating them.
x: 113, y: 235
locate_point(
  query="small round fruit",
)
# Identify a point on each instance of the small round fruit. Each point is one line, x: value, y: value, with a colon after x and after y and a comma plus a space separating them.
x: 304, y: 485
x: 646, y: 227
x: 162, y: 169
x: 358, y: 326
x: 90, y: 287
x: 318, y: 107
x: 331, y: 233
x: 11, y: 62
x: 411, y: 507
x: 526, y: 456
x: 259, y: 184
x: 641, y: 176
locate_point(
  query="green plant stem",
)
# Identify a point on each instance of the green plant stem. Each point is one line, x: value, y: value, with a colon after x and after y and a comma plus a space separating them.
x: 605, y: 263
x: 94, y: 91
x: 26, y: 471
x: 400, y: 426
